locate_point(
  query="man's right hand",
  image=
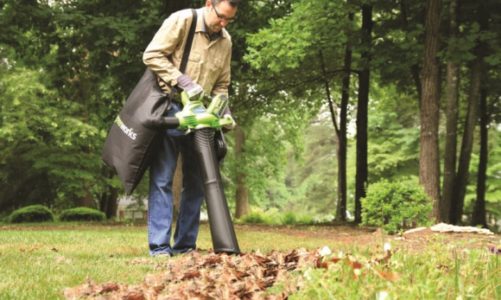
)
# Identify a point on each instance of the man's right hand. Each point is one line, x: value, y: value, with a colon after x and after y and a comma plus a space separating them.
x: 191, y: 88
x: 196, y: 120
x: 187, y: 119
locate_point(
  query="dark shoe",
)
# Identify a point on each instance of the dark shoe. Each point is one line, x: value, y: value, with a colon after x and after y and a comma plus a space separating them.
x: 183, y: 251
x: 162, y: 254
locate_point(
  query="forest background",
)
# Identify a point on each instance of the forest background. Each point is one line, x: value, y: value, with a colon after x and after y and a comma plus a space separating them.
x: 330, y: 98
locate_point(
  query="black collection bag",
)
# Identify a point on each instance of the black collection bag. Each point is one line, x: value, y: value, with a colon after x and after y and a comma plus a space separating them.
x: 137, y: 130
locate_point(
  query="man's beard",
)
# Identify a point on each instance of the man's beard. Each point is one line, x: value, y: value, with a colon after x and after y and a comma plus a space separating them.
x: 215, y: 28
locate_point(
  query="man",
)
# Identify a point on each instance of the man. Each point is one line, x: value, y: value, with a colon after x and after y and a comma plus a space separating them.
x: 208, y: 72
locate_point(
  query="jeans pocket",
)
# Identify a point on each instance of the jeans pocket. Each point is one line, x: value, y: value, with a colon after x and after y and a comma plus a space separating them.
x: 174, y: 108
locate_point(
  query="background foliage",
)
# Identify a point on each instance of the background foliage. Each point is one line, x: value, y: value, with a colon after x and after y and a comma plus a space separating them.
x: 67, y: 66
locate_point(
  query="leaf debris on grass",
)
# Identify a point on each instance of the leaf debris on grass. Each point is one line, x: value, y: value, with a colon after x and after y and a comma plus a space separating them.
x: 209, y: 276
x: 221, y: 276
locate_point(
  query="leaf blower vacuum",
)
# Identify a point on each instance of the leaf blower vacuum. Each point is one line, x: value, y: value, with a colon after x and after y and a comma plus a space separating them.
x: 204, y: 123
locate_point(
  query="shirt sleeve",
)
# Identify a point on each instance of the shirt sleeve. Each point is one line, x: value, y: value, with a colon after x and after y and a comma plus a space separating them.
x: 166, y: 40
x: 223, y: 81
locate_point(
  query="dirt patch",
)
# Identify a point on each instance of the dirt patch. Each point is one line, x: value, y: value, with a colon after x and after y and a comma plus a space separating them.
x: 313, y: 231
x: 418, y: 241
x: 345, y: 235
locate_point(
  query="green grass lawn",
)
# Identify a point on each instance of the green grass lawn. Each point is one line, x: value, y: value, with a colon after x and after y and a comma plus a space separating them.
x: 39, y: 261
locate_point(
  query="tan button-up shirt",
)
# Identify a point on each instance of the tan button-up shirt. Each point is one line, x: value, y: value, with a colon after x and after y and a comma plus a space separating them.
x: 209, y: 60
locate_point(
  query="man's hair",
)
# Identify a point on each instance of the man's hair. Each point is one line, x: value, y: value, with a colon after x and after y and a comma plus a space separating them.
x: 233, y: 3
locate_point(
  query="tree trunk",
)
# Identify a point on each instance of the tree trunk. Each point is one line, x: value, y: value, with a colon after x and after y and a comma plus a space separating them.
x: 242, y: 194
x: 362, y: 112
x: 429, y: 114
x: 477, y: 74
x: 109, y: 199
x: 329, y: 99
x: 341, y: 145
x: 341, y: 179
x: 466, y: 145
x: 479, y: 217
x: 111, y: 204
x: 450, y: 154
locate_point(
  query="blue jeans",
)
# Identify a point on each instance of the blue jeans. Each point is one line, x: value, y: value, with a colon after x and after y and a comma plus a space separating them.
x: 160, y: 204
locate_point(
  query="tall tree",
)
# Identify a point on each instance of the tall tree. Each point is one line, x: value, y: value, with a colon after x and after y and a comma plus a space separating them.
x: 477, y: 75
x: 452, y: 88
x: 429, y: 112
x: 341, y: 134
x: 467, y: 143
x: 362, y: 111
x: 479, y: 216
x: 242, y: 192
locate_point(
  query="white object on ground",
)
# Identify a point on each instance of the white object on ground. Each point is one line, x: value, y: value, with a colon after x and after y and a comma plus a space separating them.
x: 382, y: 295
x: 325, y: 251
x: 442, y: 227
x: 415, y: 230
x: 387, y: 247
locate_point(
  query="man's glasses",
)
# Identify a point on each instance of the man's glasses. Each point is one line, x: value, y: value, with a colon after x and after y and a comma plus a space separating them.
x: 221, y: 17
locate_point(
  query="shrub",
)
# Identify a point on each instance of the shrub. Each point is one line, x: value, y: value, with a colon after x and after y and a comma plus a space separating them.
x: 396, y: 205
x: 273, y: 217
x: 289, y: 218
x: 254, y: 218
x: 32, y: 213
x: 82, y: 214
x: 305, y: 220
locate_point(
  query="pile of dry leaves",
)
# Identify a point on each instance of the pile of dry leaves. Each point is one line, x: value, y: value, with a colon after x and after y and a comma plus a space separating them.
x: 221, y: 276
x: 211, y: 276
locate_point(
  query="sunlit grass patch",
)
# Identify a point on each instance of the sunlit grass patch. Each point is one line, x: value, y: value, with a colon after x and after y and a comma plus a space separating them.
x: 441, y: 273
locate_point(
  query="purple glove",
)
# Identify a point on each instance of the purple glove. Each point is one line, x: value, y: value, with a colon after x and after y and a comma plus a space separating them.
x: 189, y: 86
x: 226, y: 112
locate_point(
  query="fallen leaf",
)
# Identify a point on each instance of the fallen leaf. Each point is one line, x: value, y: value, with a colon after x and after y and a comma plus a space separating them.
x: 134, y: 295
x: 109, y: 287
x: 355, y: 264
x: 390, y: 276
x: 190, y: 275
x: 321, y: 264
x: 335, y: 259
x: 212, y: 260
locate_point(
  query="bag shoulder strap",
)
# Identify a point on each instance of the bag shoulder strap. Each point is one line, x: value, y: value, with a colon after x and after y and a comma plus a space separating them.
x: 189, y: 42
